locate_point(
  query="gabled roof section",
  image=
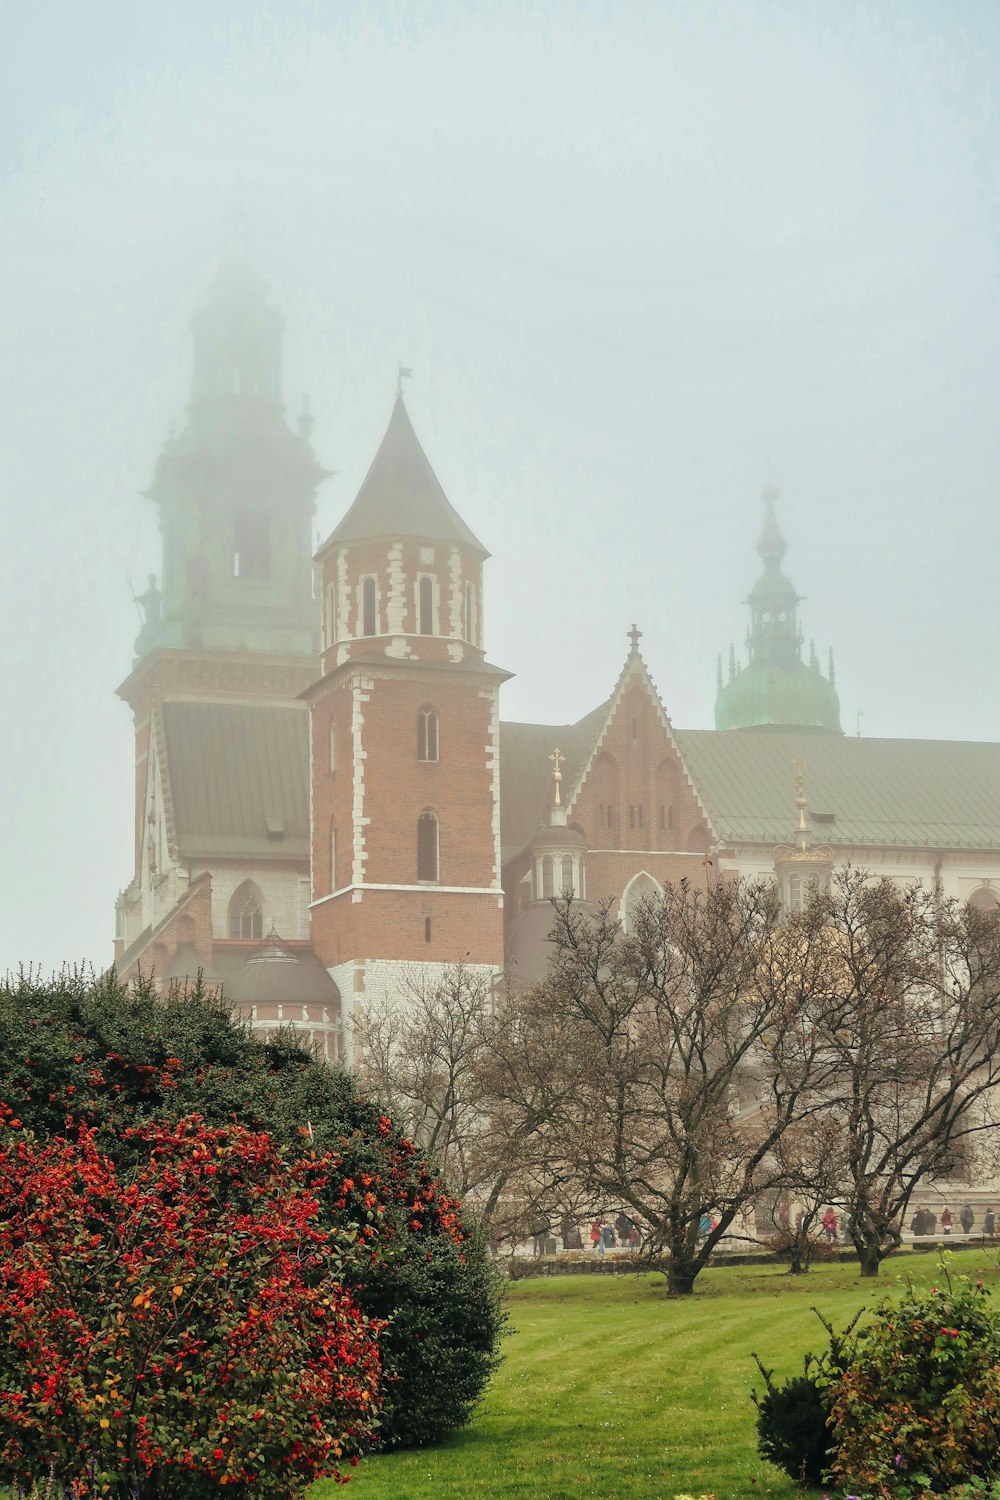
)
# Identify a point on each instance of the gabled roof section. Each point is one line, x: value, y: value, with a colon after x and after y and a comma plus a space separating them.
x: 635, y: 669
x: 526, y: 775
x: 239, y: 779
x: 401, y: 495
x: 912, y: 794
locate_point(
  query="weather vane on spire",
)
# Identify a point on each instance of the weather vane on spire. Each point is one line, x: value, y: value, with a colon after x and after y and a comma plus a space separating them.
x: 557, y: 758
x: 402, y: 373
x: 800, y: 795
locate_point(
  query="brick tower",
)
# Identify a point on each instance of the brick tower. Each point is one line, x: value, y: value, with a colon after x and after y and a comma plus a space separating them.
x: 405, y: 739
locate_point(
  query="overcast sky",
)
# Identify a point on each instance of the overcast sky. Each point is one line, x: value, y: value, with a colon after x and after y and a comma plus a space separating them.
x: 643, y: 260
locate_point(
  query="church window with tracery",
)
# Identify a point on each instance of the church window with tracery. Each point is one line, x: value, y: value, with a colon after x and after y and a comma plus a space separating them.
x: 246, y: 920
x: 641, y: 890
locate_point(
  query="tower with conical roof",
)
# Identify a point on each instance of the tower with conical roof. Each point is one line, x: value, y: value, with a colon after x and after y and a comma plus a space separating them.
x: 776, y: 689
x: 405, y: 737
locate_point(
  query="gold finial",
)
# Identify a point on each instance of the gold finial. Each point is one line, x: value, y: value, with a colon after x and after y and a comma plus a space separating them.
x: 800, y: 796
x: 557, y: 758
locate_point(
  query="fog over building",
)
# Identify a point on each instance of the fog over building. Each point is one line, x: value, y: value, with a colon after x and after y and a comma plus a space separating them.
x: 326, y: 794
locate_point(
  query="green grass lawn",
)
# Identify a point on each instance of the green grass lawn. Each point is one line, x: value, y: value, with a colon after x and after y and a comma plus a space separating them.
x: 609, y: 1390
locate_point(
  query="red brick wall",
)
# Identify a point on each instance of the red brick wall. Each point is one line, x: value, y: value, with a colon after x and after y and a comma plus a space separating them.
x: 391, y: 925
x: 458, y: 788
x: 637, y: 771
x: 372, y: 558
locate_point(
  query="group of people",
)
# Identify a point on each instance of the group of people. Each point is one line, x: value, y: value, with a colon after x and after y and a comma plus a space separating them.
x: 925, y: 1222
x: 623, y: 1233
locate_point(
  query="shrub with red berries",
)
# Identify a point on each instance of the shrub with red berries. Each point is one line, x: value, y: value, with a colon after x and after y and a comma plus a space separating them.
x: 179, y: 1324
x: 77, y: 1051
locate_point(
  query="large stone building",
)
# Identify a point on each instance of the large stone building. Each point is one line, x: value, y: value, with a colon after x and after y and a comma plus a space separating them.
x: 327, y: 800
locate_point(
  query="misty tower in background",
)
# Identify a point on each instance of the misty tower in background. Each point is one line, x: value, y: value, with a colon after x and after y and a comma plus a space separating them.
x: 776, y: 689
x: 405, y: 740
x: 230, y: 640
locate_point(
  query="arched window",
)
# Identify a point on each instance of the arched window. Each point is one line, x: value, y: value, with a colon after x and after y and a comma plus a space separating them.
x: 548, y: 877
x: 427, y: 846
x: 427, y: 734
x: 984, y: 899
x: 641, y: 888
x: 333, y: 855
x: 333, y: 745
x: 246, y: 920
x: 470, y: 613
x: 369, y: 607
x: 425, y: 606
x: 331, y: 613
x: 698, y: 840
x: 795, y: 893
x: 567, y: 886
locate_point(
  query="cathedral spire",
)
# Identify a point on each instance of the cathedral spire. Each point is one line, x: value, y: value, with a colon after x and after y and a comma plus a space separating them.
x: 776, y: 689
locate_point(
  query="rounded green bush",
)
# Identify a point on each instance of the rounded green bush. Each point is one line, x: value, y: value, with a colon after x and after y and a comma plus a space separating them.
x: 78, y: 1050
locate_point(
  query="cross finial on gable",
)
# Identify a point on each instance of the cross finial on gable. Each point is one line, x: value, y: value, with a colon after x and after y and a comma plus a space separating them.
x: 634, y: 635
x: 557, y: 758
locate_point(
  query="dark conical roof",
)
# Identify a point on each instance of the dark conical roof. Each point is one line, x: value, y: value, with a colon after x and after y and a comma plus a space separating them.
x: 401, y: 495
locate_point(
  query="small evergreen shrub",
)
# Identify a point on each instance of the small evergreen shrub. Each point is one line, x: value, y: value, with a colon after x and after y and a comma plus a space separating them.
x: 917, y: 1411
x: 793, y: 1430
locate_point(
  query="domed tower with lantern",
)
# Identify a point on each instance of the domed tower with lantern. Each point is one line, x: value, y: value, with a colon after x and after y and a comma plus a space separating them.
x: 405, y: 738
x: 776, y: 689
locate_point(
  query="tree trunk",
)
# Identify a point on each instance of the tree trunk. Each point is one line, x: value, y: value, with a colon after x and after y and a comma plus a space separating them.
x: 680, y: 1278
x: 870, y: 1257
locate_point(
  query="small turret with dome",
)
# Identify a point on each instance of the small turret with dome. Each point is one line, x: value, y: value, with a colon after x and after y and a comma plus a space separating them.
x: 776, y: 689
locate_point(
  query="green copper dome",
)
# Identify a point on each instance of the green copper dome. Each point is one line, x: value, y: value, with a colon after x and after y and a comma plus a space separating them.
x: 776, y: 689
x: 770, y: 697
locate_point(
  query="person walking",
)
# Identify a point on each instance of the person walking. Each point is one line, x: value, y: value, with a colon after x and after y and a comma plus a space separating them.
x: 990, y: 1224
x: 967, y: 1218
x: 595, y: 1237
x: 946, y: 1220
x: 829, y: 1222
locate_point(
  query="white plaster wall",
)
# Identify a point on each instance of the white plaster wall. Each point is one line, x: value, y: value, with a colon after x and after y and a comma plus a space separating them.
x: 284, y: 895
x: 381, y: 981
x: 960, y: 874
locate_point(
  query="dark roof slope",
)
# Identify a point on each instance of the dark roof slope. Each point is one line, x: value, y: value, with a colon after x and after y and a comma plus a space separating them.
x: 526, y: 772
x: 917, y: 794
x: 274, y: 975
x: 401, y: 495
x: 239, y: 778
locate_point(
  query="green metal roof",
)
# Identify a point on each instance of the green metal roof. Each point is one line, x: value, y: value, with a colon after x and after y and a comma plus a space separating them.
x: 915, y: 794
x: 798, y: 697
x: 239, y: 779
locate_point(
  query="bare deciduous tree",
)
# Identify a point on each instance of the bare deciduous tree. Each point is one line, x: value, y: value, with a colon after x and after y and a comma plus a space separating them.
x: 684, y: 1057
x: 910, y: 1025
